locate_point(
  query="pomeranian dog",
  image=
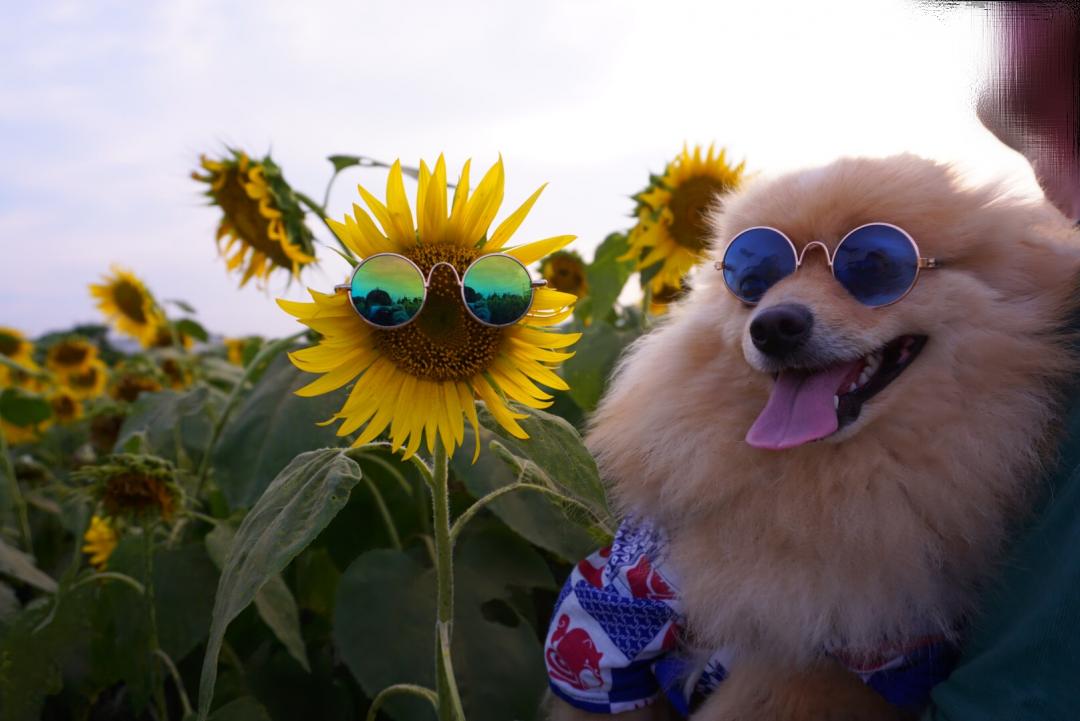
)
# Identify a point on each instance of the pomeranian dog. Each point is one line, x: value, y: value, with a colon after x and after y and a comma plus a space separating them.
x: 821, y: 452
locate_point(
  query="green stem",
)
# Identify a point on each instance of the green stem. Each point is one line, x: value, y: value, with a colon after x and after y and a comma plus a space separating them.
x: 185, y: 702
x: 110, y: 576
x: 445, y: 684
x: 321, y: 212
x: 384, y: 511
x: 16, y: 494
x: 264, y: 355
x: 464, y: 518
x: 401, y: 688
x: 157, y: 681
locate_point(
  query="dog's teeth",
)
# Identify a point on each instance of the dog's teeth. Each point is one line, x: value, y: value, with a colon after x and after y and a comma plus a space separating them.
x: 852, y: 387
x: 836, y: 402
x: 864, y: 376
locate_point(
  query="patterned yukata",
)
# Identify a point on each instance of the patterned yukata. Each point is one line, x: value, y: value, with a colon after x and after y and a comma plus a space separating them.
x: 614, y: 640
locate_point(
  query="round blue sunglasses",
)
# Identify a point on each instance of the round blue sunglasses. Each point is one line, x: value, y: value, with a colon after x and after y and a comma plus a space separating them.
x: 877, y: 263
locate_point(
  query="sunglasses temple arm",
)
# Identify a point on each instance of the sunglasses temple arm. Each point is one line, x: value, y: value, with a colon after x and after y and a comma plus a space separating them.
x: 538, y: 283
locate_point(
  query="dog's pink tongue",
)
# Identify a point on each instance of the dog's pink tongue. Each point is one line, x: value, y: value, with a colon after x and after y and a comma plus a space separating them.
x: 800, y: 408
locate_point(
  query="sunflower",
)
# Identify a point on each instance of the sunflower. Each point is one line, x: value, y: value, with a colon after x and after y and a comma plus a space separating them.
x: 177, y: 373
x: 66, y: 406
x: 134, y: 485
x: 163, y: 337
x: 672, y: 232
x: 69, y: 355
x: 32, y: 378
x: 125, y: 300
x: 129, y: 384
x: 564, y: 270
x: 15, y: 435
x: 100, y: 540
x: 419, y: 380
x: 15, y: 347
x: 234, y: 349
x: 88, y: 383
x: 262, y: 219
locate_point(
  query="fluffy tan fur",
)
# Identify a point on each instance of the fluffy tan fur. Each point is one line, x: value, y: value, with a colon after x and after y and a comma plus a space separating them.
x: 885, y: 531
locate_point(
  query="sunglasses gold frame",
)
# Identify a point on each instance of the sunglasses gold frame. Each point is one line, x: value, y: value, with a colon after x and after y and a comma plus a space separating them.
x: 923, y: 263
x: 533, y: 285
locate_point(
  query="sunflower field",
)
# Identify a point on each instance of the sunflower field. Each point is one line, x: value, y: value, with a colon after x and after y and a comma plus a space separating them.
x: 370, y: 518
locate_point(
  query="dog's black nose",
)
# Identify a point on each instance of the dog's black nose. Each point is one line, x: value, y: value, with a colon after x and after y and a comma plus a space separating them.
x: 780, y: 330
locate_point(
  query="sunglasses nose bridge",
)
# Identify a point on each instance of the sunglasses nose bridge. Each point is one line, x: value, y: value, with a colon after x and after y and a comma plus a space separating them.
x: 431, y: 272
x: 818, y: 244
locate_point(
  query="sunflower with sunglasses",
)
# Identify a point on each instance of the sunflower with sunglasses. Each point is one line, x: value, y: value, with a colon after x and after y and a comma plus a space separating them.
x: 440, y: 312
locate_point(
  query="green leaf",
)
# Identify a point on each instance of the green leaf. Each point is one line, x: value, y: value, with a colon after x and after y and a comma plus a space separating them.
x: 23, y: 409
x: 595, y: 356
x: 295, y: 508
x: 188, y: 327
x: 536, y: 517
x: 176, y: 425
x: 32, y: 655
x: 184, y: 582
x: 554, y: 456
x: 274, y: 601
x: 20, y: 566
x: 341, y: 162
x: 182, y: 305
x: 496, y: 654
x: 607, y: 274
x: 244, y: 708
x: 269, y: 427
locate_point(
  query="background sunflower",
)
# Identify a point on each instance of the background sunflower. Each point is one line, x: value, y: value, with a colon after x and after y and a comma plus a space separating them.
x: 71, y: 354
x: 125, y: 300
x: 262, y: 224
x: 672, y: 234
x: 419, y: 381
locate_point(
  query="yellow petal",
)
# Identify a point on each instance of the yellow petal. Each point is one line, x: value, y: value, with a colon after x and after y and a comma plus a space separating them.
x: 532, y: 252
x: 468, y: 404
x: 544, y: 338
x: 461, y: 201
x: 483, y: 205
x: 511, y: 223
x: 433, y: 210
x: 397, y: 204
x: 497, y: 407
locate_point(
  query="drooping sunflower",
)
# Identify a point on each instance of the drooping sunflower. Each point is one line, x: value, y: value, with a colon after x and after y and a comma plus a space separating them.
x: 564, y: 270
x: 262, y: 223
x: 672, y: 231
x: 70, y: 355
x: 177, y: 373
x: 15, y: 347
x: 15, y: 435
x: 101, y: 541
x: 130, y: 383
x: 66, y: 406
x: 166, y: 336
x: 419, y: 380
x: 89, y: 382
x: 136, y: 486
x: 125, y: 300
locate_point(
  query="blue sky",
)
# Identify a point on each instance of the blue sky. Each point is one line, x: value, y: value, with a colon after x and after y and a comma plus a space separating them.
x: 105, y: 106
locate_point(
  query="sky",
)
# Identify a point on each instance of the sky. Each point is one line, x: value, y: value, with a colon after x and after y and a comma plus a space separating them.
x: 106, y: 106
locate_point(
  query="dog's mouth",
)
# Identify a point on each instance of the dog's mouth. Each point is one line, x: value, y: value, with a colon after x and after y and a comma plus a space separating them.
x: 808, y: 405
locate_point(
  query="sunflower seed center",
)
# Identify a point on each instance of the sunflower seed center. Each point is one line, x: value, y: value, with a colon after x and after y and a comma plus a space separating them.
x: 242, y: 213
x: 129, y: 299
x: 688, y: 204
x: 444, y: 343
